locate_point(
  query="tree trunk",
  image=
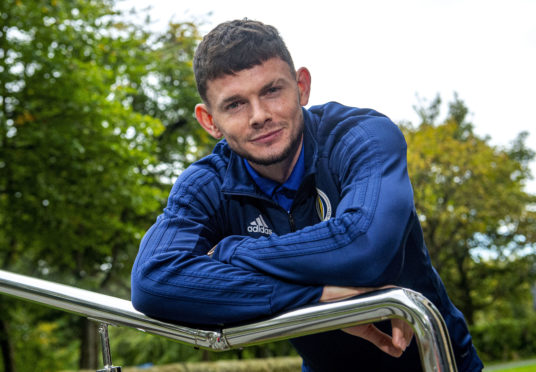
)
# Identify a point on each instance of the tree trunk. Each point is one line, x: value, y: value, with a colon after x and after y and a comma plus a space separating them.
x: 89, y: 347
x: 7, y: 349
x: 533, y: 291
x: 467, y: 306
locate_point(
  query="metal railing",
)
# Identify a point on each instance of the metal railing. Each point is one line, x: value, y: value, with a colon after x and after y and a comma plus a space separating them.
x: 427, y: 323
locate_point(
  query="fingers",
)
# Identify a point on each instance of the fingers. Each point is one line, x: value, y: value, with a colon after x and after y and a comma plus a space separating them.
x: 402, y: 333
x: 395, y: 345
x: 380, y: 339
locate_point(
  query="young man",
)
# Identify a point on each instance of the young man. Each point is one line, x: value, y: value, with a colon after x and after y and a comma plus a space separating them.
x: 293, y: 207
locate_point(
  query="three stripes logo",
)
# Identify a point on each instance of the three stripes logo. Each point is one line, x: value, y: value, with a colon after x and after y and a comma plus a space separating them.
x: 258, y: 225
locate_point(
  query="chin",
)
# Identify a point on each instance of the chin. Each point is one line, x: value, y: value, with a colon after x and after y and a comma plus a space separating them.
x: 269, y: 159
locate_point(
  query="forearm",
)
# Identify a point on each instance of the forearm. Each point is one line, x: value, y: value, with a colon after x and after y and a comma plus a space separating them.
x: 363, y: 245
x: 176, y: 285
x: 333, y: 252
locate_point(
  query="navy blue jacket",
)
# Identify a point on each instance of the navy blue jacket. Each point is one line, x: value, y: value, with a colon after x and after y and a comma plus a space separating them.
x: 353, y: 223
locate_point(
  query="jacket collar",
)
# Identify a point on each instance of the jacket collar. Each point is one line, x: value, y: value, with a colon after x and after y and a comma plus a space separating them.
x: 237, y: 180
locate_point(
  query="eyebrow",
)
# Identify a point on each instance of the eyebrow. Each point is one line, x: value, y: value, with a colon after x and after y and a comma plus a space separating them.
x: 237, y: 97
x: 226, y: 101
x: 277, y: 81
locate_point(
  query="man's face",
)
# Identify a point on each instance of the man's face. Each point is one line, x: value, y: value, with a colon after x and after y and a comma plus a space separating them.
x: 258, y: 111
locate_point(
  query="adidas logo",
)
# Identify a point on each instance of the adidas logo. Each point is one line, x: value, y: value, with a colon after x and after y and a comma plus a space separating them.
x: 258, y: 225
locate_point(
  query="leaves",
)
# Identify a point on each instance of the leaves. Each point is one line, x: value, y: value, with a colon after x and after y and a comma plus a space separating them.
x: 72, y: 150
x: 87, y: 143
x: 470, y: 198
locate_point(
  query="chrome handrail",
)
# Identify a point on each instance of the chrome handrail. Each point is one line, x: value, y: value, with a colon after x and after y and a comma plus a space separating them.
x: 428, y: 325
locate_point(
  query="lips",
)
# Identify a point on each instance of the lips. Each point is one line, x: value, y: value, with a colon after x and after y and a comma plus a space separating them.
x: 268, y: 137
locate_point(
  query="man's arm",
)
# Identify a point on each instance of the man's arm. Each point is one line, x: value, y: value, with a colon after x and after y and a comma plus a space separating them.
x: 363, y: 244
x: 174, y: 279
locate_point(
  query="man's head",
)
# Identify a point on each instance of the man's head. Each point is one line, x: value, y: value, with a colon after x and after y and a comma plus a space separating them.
x: 235, y: 46
x: 252, y: 95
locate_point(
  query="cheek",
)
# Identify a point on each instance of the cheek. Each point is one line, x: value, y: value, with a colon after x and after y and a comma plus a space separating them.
x: 283, y: 111
x: 293, y: 106
x: 232, y: 133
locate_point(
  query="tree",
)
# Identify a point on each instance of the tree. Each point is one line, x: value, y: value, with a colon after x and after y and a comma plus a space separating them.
x: 168, y: 93
x: 472, y: 204
x: 83, y: 98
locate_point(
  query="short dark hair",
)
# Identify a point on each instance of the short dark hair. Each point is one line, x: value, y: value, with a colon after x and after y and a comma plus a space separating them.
x: 235, y: 46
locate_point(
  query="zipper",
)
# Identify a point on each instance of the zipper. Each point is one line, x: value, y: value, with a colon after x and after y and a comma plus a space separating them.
x: 291, y: 222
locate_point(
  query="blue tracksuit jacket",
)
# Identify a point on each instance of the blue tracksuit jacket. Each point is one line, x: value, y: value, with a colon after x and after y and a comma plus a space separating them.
x: 353, y: 223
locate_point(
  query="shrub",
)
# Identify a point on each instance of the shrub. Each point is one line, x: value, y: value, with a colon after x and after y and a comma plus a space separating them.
x: 505, y: 339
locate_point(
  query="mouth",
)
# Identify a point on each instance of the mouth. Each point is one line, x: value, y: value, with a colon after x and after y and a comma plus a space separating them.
x: 268, y: 137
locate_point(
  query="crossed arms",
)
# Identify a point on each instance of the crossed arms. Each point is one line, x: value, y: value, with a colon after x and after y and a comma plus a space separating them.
x: 246, y: 278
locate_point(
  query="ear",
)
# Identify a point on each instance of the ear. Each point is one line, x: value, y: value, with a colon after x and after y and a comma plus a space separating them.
x: 205, y: 120
x: 303, y: 77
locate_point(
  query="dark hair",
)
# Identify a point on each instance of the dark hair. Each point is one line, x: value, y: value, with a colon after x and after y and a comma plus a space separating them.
x: 235, y: 46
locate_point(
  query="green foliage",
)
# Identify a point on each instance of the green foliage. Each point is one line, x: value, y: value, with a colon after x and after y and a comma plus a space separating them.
x: 502, y: 288
x: 288, y: 364
x: 72, y: 153
x: 473, y: 208
x: 135, y: 348
x: 169, y: 93
x: 81, y: 160
x: 506, y: 339
x: 46, y: 337
x: 96, y: 121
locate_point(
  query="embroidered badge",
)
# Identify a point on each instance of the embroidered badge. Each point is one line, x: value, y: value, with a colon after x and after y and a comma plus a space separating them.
x: 323, y: 205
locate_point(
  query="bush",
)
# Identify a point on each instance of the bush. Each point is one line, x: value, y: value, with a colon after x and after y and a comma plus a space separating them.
x: 505, y: 339
x: 131, y: 348
x: 283, y: 364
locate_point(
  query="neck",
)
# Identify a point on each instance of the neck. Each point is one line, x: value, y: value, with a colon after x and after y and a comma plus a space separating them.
x: 279, y: 172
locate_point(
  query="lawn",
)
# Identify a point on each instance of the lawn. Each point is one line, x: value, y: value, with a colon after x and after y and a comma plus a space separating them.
x: 531, y: 368
x: 520, y: 366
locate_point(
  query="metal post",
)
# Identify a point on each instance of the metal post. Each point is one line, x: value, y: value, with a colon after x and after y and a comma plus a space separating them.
x: 106, y: 353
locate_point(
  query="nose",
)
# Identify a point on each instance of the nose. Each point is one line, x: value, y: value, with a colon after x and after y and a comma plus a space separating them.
x: 260, y: 114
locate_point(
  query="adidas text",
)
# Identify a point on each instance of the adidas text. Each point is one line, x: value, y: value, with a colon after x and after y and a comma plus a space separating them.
x: 260, y: 229
x: 258, y: 225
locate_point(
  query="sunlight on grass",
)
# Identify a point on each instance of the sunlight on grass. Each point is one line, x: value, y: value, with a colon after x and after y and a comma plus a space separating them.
x: 519, y: 369
x: 520, y: 366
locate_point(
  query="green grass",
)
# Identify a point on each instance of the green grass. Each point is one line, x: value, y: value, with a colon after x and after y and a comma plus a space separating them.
x: 517, y: 369
x: 520, y: 366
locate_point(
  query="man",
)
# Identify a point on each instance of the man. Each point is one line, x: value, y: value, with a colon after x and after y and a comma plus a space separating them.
x: 293, y: 207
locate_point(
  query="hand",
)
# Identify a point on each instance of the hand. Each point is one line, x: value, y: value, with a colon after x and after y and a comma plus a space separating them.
x: 394, y: 345
x: 212, y: 250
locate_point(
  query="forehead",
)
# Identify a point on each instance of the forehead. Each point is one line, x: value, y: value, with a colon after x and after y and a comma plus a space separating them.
x: 248, y: 81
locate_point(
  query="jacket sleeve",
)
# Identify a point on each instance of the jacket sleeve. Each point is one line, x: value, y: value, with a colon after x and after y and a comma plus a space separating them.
x: 364, y: 244
x: 173, y: 278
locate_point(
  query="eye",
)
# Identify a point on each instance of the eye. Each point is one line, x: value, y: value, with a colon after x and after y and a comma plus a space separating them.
x: 233, y: 105
x: 273, y: 90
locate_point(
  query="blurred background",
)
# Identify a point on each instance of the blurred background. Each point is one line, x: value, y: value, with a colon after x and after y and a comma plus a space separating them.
x: 96, y: 122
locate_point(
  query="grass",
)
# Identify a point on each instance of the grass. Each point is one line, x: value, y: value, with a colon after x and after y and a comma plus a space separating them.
x: 520, y: 366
